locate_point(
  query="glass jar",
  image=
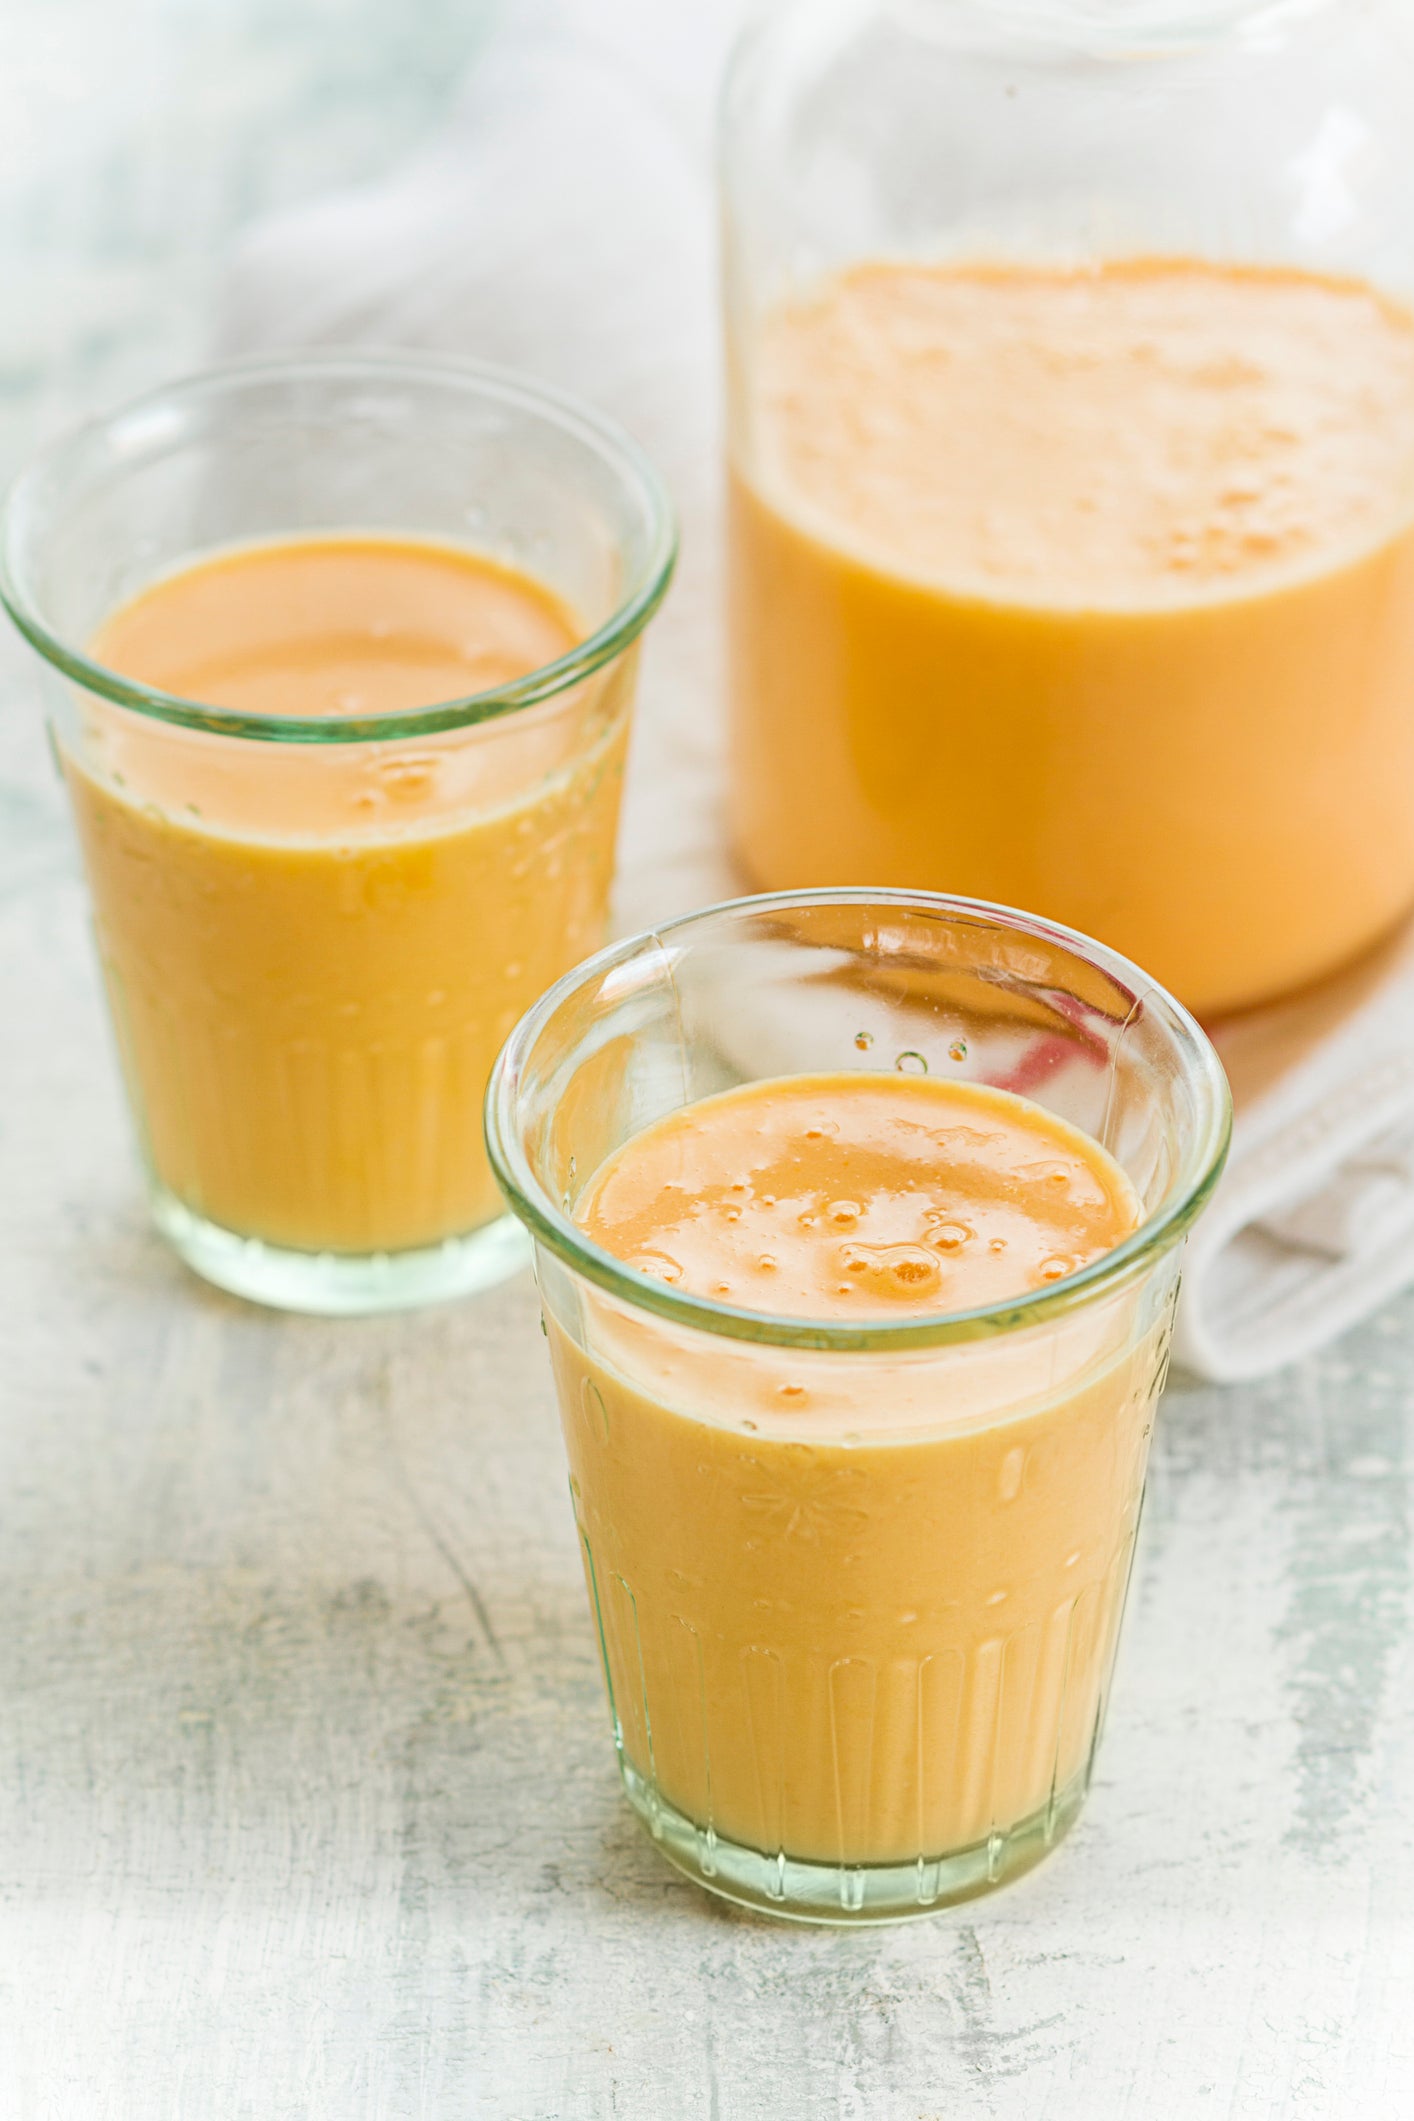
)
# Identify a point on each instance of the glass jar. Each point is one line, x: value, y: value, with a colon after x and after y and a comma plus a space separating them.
x: 1071, y: 435
x: 857, y: 1585
x: 317, y: 928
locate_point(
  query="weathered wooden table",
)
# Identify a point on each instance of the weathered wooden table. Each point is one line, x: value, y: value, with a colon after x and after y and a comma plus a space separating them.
x: 307, y: 1802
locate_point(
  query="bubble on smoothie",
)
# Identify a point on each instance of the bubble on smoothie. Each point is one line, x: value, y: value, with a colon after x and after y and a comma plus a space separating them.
x: 660, y: 1265
x: 903, y: 1272
x: 408, y: 778
x: 1055, y: 1177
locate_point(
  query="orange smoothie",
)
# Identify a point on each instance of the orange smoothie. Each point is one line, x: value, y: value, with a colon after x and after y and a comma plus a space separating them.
x: 1089, y: 590
x: 860, y: 1608
x: 314, y: 951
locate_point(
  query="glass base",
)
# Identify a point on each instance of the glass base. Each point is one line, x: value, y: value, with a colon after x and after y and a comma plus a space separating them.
x: 341, y: 1284
x: 845, y: 1894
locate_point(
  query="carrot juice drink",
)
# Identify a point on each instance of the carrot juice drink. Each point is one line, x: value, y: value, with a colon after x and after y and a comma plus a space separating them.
x: 908, y: 1650
x: 347, y: 801
x: 1089, y: 589
x: 306, y: 1022
x: 857, y: 1367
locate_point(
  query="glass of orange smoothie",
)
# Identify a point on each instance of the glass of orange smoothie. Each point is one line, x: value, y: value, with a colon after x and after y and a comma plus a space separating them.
x: 858, y: 1219
x: 1071, y: 467
x: 340, y: 655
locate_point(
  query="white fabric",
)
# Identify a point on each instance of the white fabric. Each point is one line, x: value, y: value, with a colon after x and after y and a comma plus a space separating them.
x: 1313, y: 1224
x: 563, y: 225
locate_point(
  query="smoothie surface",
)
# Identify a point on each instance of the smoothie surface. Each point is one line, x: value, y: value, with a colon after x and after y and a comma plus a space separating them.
x: 850, y: 1196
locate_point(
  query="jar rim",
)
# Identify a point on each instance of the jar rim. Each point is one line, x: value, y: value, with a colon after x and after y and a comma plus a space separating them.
x: 104, y: 435
x: 1203, y: 1155
x: 1114, y: 28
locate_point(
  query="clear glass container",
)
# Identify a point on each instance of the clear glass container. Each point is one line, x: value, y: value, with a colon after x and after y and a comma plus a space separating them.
x: 1071, y: 436
x: 857, y: 1587
x: 316, y: 930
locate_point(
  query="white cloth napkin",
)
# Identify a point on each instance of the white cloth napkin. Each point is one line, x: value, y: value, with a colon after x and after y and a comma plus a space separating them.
x: 1313, y: 1223
x: 563, y: 224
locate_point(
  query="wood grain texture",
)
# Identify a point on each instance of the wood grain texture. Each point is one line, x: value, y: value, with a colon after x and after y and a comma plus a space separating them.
x: 307, y: 1802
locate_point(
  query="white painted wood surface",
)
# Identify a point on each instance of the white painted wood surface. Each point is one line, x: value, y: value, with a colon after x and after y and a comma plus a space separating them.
x: 307, y: 1802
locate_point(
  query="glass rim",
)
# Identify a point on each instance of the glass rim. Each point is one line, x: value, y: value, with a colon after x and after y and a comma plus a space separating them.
x: 1200, y: 1165
x: 612, y: 443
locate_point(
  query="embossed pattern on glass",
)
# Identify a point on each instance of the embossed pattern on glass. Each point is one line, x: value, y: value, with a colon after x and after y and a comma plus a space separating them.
x: 857, y: 1588
x: 317, y: 929
x: 903, y: 1729
x: 313, y: 1078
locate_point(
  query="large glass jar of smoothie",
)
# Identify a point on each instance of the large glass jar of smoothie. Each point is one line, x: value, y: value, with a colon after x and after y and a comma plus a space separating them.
x: 1071, y: 419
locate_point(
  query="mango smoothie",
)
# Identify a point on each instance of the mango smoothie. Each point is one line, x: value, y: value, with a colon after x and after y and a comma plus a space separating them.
x: 1086, y: 589
x: 859, y: 1610
x: 314, y: 951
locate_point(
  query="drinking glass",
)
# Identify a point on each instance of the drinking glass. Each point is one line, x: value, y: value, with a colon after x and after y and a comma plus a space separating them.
x: 316, y: 931
x: 857, y: 1587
